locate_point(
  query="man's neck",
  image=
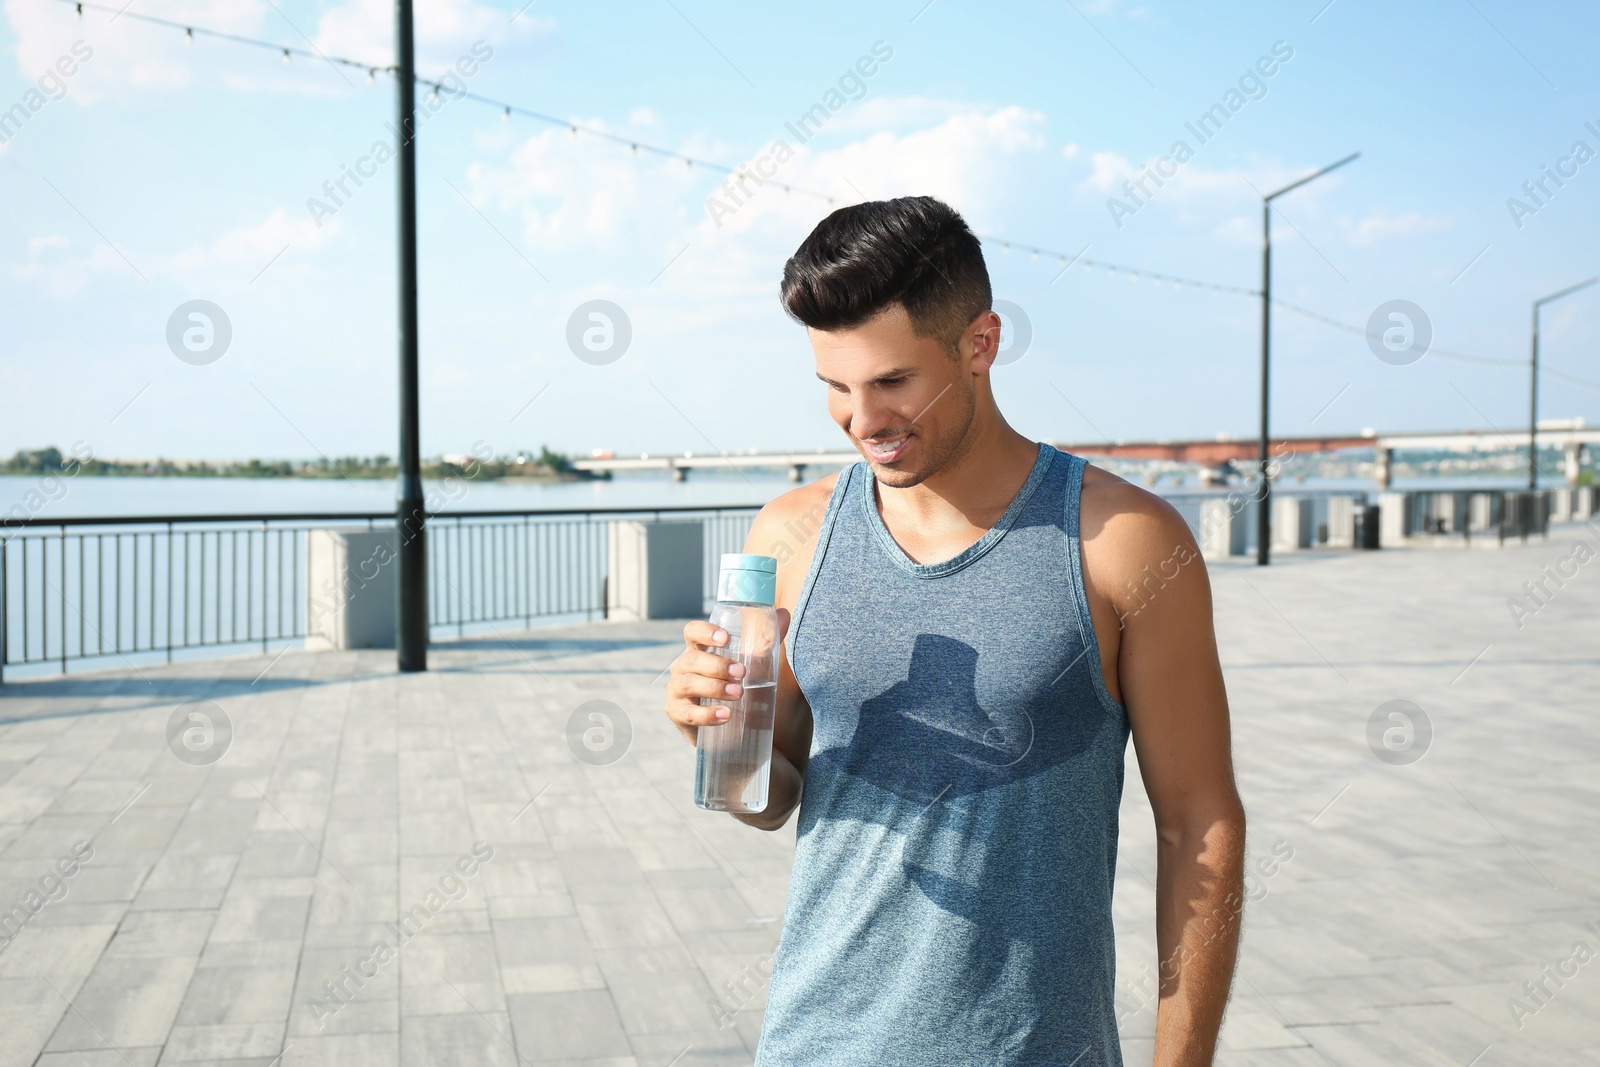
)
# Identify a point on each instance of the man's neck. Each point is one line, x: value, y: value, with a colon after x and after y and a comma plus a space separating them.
x: 972, y: 490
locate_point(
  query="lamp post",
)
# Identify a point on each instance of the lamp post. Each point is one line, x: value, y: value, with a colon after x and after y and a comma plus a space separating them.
x: 1264, y: 496
x: 411, y: 617
x: 1533, y: 393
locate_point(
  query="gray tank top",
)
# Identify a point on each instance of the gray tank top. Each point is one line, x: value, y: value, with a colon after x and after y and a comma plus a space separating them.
x: 950, y: 902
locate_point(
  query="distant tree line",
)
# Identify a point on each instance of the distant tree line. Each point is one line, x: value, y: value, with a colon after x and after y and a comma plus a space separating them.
x: 523, y: 464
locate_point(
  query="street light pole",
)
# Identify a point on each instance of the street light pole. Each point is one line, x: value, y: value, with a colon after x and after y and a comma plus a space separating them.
x: 411, y: 630
x: 1533, y: 392
x: 1264, y: 484
x: 1264, y: 492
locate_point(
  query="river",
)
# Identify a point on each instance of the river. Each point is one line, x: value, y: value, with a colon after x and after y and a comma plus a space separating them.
x: 99, y: 496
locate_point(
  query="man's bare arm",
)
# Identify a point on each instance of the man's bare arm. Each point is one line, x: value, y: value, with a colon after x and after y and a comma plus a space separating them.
x: 1170, y: 681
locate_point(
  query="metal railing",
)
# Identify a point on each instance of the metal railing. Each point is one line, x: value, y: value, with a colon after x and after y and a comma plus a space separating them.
x: 518, y: 566
x: 1244, y: 501
x: 78, y: 589
x: 1499, y: 514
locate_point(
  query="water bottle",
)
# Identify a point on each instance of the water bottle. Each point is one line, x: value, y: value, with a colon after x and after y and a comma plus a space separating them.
x: 733, y: 759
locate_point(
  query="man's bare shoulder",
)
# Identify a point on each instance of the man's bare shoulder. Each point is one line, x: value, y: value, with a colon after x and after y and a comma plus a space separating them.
x: 786, y: 527
x: 1123, y: 508
x: 1126, y: 528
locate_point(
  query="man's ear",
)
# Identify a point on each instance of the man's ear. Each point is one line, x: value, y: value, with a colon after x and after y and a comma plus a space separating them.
x: 983, y: 337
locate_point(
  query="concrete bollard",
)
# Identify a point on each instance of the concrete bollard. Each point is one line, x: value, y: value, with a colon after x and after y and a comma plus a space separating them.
x: 1394, y: 523
x: 1291, y: 523
x: 1222, y: 530
x: 656, y: 571
x: 1583, y: 502
x: 1561, y: 505
x: 351, y: 589
x: 1480, y: 512
x: 1341, y: 522
x: 1442, y: 515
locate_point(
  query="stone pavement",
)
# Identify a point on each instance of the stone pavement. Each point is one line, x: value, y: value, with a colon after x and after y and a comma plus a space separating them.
x: 423, y: 870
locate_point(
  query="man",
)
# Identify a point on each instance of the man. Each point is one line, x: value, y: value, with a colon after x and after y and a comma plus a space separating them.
x: 974, y: 624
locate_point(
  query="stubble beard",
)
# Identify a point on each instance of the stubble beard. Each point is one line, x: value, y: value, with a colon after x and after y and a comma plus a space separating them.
x: 937, y: 453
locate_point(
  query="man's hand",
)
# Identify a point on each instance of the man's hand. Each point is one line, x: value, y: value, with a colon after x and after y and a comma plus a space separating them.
x: 785, y: 529
x: 701, y: 672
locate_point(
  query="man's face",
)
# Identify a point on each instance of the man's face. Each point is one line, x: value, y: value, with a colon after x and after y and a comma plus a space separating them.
x: 902, y: 399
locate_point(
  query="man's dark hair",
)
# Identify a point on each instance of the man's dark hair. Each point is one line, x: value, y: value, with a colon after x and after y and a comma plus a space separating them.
x: 914, y: 251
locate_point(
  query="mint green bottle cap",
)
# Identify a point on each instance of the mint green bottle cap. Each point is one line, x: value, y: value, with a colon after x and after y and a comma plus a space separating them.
x: 747, y: 579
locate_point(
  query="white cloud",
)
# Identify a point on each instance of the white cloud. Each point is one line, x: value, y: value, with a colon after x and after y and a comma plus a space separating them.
x: 966, y: 160
x: 1240, y: 231
x: 1108, y: 170
x: 1379, y: 227
x: 571, y: 190
x: 54, y: 266
x: 126, y: 52
x: 129, y: 53
x: 877, y: 113
x: 562, y: 199
x: 578, y: 188
x: 445, y: 30
x: 574, y: 190
x: 253, y: 247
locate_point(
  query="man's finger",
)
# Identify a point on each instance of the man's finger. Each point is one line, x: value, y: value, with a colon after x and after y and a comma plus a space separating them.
x: 708, y: 665
x: 701, y: 633
x: 692, y: 713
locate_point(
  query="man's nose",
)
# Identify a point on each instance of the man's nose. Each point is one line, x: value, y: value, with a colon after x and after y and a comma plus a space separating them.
x: 869, y: 416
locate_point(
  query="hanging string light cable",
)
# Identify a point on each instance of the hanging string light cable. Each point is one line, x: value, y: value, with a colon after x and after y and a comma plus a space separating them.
x: 191, y: 31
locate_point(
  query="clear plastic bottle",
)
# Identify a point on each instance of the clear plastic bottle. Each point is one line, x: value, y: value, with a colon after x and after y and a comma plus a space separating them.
x: 733, y: 761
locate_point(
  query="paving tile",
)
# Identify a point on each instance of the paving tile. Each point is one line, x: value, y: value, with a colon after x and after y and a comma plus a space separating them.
x: 60, y: 955
x: 428, y: 1040
x: 343, y: 1050
x: 259, y: 912
x: 445, y: 974
x: 1245, y: 1030
x: 559, y: 1026
x: 126, y: 1057
x: 545, y: 956
x: 663, y: 1002
x: 162, y: 933
x: 125, y: 1001
x: 250, y: 994
x: 29, y: 1012
x: 714, y: 1048
x: 223, y: 1042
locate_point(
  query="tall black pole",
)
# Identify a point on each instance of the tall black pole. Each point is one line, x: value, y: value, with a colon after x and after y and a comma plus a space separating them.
x: 1533, y: 409
x: 411, y: 636
x: 1264, y: 496
x: 1264, y: 489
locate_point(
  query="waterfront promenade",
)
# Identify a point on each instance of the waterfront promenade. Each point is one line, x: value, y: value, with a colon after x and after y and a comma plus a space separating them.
x: 229, y: 912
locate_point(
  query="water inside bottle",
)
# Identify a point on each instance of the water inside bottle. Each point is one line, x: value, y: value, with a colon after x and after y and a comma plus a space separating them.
x: 734, y: 757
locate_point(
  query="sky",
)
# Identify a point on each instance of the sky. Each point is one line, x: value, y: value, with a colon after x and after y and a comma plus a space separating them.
x: 161, y: 172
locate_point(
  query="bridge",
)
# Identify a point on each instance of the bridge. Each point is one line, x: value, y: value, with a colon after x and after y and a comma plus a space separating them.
x: 1569, y: 435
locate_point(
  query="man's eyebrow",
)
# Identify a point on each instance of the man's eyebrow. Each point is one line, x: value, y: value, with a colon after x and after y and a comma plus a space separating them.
x: 897, y: 372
